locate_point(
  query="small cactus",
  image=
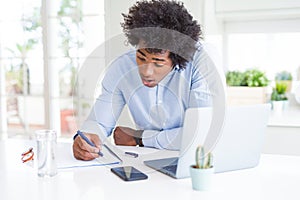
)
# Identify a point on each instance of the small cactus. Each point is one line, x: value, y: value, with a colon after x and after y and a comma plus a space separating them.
x: 202, y: 161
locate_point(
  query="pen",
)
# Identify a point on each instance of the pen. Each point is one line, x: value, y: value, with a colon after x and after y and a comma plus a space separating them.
x: 132, y: 154
x: 88, y: 141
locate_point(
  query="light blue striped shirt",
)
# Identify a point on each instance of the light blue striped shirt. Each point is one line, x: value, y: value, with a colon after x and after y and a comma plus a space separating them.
x: 159, y: 111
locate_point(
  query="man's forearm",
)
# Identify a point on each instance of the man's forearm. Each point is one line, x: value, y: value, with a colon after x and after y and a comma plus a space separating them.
x: 166, y: 139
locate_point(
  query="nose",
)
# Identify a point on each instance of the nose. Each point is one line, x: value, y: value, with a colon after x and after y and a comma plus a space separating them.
x: 148, y: 69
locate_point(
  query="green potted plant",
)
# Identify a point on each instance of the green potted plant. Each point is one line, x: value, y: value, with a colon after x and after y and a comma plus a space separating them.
x: 235, y: 78
x: 201, y: 173
x: 255, y: 78
x: 286, y: 77
x: 248, y: 87
x: 278, y: 96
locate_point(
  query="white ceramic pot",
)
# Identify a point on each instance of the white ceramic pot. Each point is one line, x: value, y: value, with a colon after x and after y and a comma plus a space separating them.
x: 277, y: 106
x: 201, y: 178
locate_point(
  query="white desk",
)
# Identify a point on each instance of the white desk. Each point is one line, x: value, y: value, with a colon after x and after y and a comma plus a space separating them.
x: 277, y: 177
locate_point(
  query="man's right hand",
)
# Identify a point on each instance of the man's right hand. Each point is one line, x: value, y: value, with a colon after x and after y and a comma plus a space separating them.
x: 83, y: 151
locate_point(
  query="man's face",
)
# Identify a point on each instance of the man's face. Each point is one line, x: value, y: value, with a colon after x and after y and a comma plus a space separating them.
x: 153, y: 67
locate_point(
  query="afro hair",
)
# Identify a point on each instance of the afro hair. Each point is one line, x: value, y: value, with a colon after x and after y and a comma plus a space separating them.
x: 163, y: 25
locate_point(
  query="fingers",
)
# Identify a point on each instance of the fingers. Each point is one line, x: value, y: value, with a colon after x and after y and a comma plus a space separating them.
x: 125, y: 130
x: 83, y: 151
x: 95, y: 140
x: 84, y: 155
x: 119, y: 136
x: 122, y: 136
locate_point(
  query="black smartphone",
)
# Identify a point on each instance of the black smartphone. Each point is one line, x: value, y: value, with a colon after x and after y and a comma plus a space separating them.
x: 129, y: 173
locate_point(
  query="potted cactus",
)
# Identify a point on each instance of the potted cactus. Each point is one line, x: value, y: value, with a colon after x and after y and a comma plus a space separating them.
x: 201, y: 172
x: 279, y: 99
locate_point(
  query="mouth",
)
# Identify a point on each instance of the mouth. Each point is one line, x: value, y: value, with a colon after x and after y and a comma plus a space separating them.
x: 148, y: 83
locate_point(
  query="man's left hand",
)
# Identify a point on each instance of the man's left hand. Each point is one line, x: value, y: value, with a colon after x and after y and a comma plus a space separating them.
x: 125, y: 136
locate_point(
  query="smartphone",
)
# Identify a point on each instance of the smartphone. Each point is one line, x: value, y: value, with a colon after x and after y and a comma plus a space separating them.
x: 129, y: 173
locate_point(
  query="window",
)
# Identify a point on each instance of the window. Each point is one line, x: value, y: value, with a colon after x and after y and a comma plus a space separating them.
x: 271, y: 46
x: 20, y: 58
x: 74, y: 30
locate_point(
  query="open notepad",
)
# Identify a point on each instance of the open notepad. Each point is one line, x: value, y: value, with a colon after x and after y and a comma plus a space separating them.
x: 65, y: 158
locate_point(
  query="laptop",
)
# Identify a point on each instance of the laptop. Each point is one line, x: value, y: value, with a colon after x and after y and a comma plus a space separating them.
x: 238, y: 146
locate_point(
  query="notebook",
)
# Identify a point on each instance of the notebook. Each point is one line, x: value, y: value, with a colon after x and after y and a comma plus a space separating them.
x: 66, y: 160
x: 238, y: 146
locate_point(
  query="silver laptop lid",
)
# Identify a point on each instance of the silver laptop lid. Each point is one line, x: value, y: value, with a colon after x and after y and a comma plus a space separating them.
x: 239, y: 145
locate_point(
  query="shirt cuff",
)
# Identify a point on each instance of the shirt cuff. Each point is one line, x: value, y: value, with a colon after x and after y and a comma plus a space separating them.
x: 149, y: 139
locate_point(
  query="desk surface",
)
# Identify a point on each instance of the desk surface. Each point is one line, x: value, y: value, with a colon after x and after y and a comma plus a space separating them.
x: 276, y: 177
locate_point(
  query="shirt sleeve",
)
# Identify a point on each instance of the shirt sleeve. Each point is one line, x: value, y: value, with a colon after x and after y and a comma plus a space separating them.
x: 105, y: 113
x: 166, y: 139
x: 203, y: 76
x: 107, y: 107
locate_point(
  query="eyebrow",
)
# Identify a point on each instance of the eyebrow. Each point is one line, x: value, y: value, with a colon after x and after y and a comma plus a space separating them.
x: 141, y: 53
x: 157, y: 59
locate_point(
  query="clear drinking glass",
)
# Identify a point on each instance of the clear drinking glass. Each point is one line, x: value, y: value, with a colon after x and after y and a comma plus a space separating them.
x: 46, y: 153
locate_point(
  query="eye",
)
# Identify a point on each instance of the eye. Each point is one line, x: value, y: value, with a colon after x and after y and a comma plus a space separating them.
x: 158, y: 65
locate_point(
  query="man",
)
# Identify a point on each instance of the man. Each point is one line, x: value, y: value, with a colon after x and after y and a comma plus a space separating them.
x: 158, y: 81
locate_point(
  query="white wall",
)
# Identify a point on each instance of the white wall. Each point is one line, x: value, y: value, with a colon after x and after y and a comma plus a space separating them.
x: 257, y: 9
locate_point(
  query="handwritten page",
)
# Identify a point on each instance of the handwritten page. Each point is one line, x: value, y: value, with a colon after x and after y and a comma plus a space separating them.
x: 65, y: 158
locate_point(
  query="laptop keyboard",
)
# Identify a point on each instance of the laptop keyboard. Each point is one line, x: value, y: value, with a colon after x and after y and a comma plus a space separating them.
x: 166, y: 165
x: 170, y: 168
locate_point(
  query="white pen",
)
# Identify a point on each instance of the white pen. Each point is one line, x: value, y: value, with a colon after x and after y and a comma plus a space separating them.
x: 135, y: 155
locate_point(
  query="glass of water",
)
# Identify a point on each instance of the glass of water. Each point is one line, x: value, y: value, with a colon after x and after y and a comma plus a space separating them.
x: 46, y: 153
